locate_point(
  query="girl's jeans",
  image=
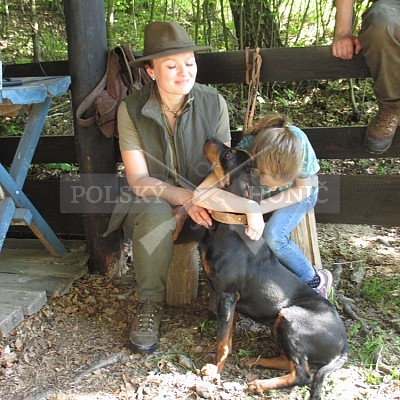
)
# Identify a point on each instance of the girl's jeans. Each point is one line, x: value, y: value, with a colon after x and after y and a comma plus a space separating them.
x: 277, y: 235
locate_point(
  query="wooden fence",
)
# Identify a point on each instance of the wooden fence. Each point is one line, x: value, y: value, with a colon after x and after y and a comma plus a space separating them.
x: 355, y: 199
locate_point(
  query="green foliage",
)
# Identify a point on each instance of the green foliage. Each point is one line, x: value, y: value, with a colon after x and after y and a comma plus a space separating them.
x: 208, y: 328
x: 61, y: 166
x: 10, y: 129
x: 326, y: 165
x: 382, y: 289
x: 246, y: 353
x: 299, y: 23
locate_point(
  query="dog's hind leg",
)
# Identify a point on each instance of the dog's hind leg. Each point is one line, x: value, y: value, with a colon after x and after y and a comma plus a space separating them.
x: 281, y: 362
x: 298, y: 375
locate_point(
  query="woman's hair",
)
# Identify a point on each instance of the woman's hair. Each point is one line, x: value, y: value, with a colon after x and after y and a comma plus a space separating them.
x: 276, y: 148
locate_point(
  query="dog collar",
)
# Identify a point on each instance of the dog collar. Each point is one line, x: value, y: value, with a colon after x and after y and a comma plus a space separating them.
x: 229, y: 218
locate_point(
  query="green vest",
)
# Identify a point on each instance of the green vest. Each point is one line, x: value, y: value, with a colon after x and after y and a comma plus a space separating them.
x: 198, y: 121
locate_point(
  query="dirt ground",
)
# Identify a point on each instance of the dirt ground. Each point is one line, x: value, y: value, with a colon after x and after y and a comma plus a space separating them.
x: 75, y: 347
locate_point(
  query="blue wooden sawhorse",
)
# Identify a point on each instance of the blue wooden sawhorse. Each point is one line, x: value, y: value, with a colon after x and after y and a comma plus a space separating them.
x: 15, y: 207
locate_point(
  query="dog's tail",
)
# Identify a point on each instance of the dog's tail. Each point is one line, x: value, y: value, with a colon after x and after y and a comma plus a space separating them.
x: 319, y: 377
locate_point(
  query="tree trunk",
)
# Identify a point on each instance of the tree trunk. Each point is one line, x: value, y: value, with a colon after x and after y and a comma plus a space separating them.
x: 255, y: 24
x: 35, y: 32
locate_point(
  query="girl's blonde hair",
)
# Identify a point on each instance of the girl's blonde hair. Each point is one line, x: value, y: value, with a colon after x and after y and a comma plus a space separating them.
x: 276, y: 148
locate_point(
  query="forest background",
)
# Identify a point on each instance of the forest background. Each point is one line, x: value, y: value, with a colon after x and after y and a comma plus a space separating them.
x: 34, y: 30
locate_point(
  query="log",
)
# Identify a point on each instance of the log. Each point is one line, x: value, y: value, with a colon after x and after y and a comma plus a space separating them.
x: 183, y: 275
x: 306, y: 237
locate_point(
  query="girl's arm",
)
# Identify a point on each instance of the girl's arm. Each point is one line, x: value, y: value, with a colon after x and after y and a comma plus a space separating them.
x: 209, y: 196
x: 293, y: 195
x: 217, y: 199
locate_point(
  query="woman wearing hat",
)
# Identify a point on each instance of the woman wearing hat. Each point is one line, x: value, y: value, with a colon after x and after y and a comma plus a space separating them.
x: 162, y: 128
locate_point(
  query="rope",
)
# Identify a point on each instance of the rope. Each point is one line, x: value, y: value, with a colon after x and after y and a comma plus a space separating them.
x: 254, y: 84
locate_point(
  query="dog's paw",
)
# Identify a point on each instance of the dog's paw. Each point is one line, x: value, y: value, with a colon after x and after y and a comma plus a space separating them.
x: 209, y: 370
x: 255, y: 387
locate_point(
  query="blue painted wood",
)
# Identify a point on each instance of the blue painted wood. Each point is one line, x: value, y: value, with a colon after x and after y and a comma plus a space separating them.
x: 38, y: 225
x: 36, y: 89
x: 39, y: 92
x: 28, y: 142
x: 22, y: 216
x: 7, y: 208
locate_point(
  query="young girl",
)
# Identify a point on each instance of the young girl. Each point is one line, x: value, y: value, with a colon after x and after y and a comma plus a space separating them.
x: 287, y: 169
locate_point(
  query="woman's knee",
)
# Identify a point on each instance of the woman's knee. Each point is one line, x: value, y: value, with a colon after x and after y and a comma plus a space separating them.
x: 147, y: 215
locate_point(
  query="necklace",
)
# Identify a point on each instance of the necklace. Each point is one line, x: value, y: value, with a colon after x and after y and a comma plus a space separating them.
x: 167, y: 124
x: 174, y: 113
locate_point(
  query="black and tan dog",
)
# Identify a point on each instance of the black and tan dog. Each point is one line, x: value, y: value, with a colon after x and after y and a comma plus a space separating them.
x: 247, y: 278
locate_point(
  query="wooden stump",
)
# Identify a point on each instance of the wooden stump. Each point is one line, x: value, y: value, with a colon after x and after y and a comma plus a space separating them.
x: 183, y: 275
x: 305, y: 236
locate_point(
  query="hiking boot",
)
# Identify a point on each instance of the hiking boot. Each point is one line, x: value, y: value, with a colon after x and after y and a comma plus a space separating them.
x: 380, y: 131
x: 325, y: 284
x: 145, y: 331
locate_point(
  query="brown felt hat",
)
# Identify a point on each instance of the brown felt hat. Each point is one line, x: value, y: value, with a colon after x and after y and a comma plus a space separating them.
x: 165, y: 38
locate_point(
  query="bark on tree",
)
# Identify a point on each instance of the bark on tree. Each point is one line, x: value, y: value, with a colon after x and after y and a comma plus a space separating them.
x: 255, y: 24
x: 87, y: 50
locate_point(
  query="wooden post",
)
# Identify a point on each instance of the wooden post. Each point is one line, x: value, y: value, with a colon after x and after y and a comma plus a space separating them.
x: 183, y: 275
x: 87, y: 51
x: 305, y: 236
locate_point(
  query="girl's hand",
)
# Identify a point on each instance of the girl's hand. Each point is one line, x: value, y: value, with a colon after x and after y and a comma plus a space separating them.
x: 180, y: 215
x: 255, y: 226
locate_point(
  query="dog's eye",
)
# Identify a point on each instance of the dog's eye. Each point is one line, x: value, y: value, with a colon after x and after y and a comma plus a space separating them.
x: 228, y: 155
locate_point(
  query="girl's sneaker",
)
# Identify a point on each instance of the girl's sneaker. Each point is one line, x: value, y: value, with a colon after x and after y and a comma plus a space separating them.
x: 326, y: 282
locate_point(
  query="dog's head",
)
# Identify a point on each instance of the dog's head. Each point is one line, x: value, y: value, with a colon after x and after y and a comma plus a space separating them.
x: 233, y: 168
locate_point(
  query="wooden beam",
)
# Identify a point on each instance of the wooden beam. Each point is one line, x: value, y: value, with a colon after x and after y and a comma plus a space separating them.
x: 279, y: 64
x: 87, y: 51
x: 346, y: 142
x: 48, y: 68
x: 50, y: 149
x: 328, y: 142
x: 343, y: 199
x: 360, y: 199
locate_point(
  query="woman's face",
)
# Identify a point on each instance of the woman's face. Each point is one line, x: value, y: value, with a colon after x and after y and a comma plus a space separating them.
x: 174, y: 74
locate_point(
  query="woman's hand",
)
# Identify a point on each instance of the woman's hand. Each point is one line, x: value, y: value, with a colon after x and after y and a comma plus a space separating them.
x: 255, y: 226
x: 198, y: 214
